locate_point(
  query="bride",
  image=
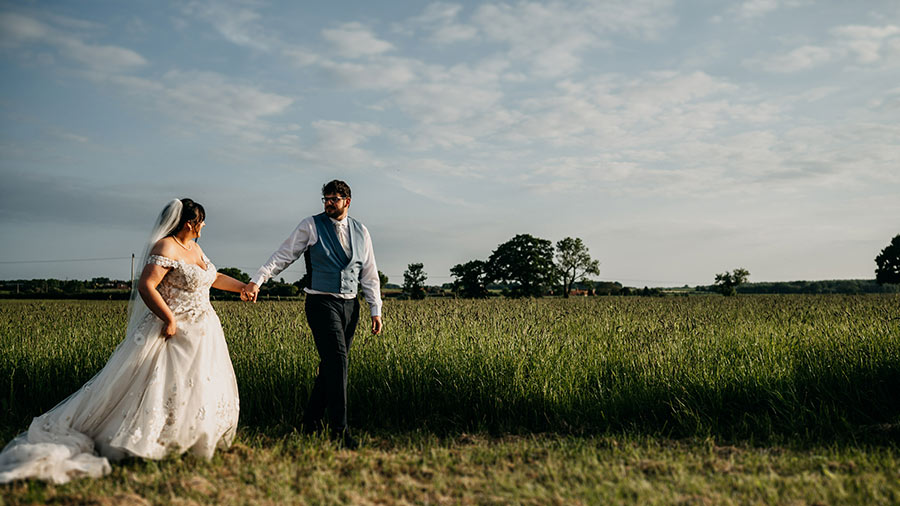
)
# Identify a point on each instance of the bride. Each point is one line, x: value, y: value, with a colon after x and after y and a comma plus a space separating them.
x: 169, y: 386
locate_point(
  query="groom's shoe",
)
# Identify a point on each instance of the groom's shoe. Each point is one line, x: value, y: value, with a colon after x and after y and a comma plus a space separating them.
x: 344, y: 439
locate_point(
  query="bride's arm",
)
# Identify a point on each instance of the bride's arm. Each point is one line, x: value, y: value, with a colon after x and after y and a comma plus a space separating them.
x: 147, y: 284
x: 228, y: 283
x: 150, y: 278
x: 223, y: 281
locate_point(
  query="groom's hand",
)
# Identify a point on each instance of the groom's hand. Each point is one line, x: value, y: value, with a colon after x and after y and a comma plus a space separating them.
x: 376, y: 325
x: 250, y: 291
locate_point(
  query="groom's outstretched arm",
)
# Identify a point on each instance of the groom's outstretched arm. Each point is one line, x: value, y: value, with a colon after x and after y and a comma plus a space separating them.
x: 289, y: 251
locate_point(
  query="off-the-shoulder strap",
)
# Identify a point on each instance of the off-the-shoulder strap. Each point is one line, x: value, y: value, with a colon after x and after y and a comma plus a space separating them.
x: 162, y: 261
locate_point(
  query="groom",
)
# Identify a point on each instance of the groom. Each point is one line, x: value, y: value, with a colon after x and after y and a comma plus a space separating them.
x: 339, y: 261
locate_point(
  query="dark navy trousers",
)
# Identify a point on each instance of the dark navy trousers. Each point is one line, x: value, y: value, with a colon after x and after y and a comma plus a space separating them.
x: 333, y: 322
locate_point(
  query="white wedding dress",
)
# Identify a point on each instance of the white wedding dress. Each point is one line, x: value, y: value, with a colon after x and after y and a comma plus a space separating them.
x: 153, y: 397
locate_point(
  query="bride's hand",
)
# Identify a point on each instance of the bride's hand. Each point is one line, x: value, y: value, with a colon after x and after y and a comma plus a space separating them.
x: 169, y: 330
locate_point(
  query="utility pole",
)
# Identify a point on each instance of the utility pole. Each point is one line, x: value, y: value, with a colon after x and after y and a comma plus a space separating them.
x: 132, y: 271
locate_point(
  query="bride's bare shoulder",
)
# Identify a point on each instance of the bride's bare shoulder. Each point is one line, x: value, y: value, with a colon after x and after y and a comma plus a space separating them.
x: 165, y: 247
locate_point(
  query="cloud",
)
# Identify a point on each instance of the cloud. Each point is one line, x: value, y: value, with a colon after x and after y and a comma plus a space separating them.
x: 381, y: 73
x: 756, y: 8
x: 453, y: 33
x: 866, y: 45
x: 18, y: 31
x: 301, y: 57
x: 445, y: 103
x: 236, y: 20
x: 208, y: 99
x: 796, y: 60
x: 440, y: 21
x: 623, y: 112
x: 552, y: 36
x: 211, y: 101
x: 335, y: 144
x: 102, y: 58
x: 430, y: 190
x: 750, y: 10
x: 353, y: 40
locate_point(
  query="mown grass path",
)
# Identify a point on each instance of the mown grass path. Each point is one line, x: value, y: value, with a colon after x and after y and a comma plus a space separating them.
x: 803, y: 384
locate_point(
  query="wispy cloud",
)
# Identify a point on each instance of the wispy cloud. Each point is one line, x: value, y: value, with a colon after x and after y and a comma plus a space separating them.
x: 867, y: 43
x: 19, y: 30
x: 441, y: 22
x: 795, y: 60
x: 757, y: 8
x: 211, y: 99
x: 212, y: 102
x: 553, y: 36
x: 383, y: 73
x: 354, y: 40
x: 752, y: 10
x: 855, y: 44
x: 334, y: 144
x: 238, y: 21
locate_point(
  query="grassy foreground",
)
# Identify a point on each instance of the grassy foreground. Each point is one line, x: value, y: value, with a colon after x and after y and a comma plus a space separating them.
x: 744, y: 368
x: 537, y: 469
x: 676, y: 400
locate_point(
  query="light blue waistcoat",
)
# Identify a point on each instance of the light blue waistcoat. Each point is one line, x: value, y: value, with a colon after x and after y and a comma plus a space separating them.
x: 331, y: 270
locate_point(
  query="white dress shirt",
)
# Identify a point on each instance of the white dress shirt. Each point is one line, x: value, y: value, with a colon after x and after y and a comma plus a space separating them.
x: 302, y: 238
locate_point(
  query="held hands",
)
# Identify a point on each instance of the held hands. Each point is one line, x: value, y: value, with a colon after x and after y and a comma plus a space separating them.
x: 249, y: 292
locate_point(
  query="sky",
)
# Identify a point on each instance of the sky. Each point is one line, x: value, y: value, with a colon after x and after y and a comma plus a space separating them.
x: 677, y: 139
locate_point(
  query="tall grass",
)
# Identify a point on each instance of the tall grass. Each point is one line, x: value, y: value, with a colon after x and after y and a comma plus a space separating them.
x: 753, y: 367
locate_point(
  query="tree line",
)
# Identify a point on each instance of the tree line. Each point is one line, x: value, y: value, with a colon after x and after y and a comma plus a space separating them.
x: 524, y: 266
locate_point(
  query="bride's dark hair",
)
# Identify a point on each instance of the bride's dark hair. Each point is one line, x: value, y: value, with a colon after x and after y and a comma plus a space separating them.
x: 191, y: 212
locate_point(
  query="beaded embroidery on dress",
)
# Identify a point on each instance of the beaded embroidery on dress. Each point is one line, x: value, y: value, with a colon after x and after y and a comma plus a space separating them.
x: 153, y: 397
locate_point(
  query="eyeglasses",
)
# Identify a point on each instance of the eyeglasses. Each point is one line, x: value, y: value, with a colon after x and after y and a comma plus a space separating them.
x: 331, y: 200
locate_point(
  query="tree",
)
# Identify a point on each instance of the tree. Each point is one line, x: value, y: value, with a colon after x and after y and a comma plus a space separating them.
x: 574, y: 262
x: 526, y: 261
x: 280, y: 288
x: 236, y: 273
x: 471, y: 279
x: 414, y: 281
x: 727, y: 282
x: 888, y: 262
x: 382, y: 280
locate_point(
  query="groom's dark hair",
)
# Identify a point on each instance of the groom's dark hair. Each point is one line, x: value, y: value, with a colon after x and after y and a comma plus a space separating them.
x: 337, y: 187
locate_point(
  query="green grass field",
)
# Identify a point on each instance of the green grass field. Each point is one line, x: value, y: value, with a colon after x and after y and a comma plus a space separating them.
x: 750, y: 399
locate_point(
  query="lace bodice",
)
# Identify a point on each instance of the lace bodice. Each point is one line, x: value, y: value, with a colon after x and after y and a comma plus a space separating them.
x: 185, y: 288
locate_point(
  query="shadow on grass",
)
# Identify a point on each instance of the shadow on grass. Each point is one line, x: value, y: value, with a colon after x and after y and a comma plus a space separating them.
x: 811, y: 404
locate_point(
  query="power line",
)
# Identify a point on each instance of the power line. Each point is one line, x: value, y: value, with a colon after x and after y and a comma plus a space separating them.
x: 7, y: 262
